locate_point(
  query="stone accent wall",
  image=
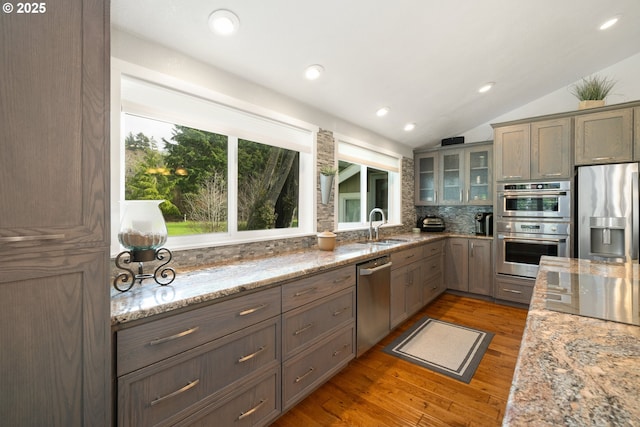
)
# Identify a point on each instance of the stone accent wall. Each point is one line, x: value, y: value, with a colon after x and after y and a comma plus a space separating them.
x: 326, y: 157
x: 457, y: 219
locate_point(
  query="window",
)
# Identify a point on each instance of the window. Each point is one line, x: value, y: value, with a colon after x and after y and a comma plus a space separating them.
x: 226, y: 174
x: 367, y: 179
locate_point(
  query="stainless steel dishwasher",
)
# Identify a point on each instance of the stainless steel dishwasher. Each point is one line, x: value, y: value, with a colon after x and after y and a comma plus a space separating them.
x: 373, y: 291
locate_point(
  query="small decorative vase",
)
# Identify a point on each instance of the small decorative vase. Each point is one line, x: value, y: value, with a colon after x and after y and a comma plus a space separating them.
x: 583, y: 105
x: 326, y: 184
x: 142, y: 229
x: 327, y: 241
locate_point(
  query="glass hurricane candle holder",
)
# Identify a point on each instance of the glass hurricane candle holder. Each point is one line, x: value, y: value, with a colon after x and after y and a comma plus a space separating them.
x: 143, y: 232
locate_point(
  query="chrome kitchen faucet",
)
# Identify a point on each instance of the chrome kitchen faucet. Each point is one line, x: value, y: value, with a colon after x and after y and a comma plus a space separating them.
x: 384, y: 221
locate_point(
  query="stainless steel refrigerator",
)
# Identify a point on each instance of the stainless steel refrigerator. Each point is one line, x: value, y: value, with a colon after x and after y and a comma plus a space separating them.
x: 607, y: 216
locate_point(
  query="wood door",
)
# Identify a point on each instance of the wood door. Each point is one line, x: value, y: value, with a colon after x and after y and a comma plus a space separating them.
x: 480, y: 267
x: 551, y: 149
x: 512, y: 152
x: 54, y: 127
x: 415, y: 287
x: 398, y: 311
x: 55, y: 339
x: 456, y: 264
x: 605, y: 137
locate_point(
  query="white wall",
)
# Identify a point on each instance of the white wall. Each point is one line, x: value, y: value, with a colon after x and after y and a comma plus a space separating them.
x: 626, y: 74
x: 144, y: 53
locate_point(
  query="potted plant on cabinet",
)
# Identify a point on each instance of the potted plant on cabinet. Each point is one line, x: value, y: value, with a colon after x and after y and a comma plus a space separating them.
x: 591, y: 91
x: 326, y: 182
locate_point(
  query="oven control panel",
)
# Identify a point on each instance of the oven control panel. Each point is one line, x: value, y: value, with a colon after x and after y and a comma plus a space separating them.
x: 523, y: 227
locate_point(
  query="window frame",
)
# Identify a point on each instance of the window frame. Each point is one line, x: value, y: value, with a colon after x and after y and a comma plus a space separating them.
x: 368, y: 156
x: 254, y: 114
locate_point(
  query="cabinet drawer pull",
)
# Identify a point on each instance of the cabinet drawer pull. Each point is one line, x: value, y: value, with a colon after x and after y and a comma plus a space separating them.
x: 513, y: 291
x: 173, y: 337
x: 14, y: 239
x: 306, y: 374
x: 306, y: 291
x: 344, y: 279
x: 339, y: 312
x: 189, y: 386
x: 252, y: 310
x: 603, y: 158
x: 513, y: 176
x: 409, y: 256
x: 252, y: 410
x: 304, y: 328
x: 252, y: 355
x: 552, y: 174
x: 340, y: 350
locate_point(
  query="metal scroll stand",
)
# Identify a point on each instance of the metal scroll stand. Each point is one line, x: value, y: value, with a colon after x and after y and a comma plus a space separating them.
x: 163, y: 276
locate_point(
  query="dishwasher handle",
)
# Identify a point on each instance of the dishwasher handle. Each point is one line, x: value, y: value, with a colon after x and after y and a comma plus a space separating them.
x: 370, y: 271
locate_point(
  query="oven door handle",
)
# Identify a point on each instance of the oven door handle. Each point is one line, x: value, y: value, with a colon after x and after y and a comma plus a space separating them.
x: 528, y: 194
x: 532, y: 239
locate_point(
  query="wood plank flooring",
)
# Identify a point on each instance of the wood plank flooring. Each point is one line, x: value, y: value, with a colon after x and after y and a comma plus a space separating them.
x: 378, y: 389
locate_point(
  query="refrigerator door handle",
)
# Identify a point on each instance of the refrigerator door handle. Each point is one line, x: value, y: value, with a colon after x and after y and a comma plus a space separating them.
x: 634, y: 217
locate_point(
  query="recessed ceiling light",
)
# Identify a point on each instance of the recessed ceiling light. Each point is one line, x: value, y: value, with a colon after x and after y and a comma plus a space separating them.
x: 313, y: 71
x: 382, y: 112
x: 609, y: 23
x: 486, y: 87
x: 409, y: 127
x: 224, y: 22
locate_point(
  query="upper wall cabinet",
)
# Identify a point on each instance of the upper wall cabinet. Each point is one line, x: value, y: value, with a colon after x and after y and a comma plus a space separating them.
x: 455, y: 176
x: 538, y: 150
x: 512, y: 146
x: 426, y: 178
x: 604, y: 137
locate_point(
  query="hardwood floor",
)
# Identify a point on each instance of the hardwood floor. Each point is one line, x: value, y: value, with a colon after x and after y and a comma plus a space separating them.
x: 378, y: 389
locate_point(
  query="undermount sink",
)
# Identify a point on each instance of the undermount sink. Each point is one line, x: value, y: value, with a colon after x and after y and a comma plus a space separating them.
x: 383, y: 241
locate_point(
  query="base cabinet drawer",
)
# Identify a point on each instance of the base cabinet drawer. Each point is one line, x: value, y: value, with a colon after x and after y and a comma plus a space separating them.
x: 313, y: 321
x: 255, y: 404
x: 151, y: 342
x: 303, y: 373
x: 514, y: 290
x: 167, y: 391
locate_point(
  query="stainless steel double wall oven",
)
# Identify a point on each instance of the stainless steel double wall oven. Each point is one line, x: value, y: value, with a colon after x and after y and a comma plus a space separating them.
x: 533, y: 219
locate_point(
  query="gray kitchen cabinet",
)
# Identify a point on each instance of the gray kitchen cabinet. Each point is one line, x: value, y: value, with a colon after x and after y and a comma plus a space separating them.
x: 452, y: 177
x: 318, y: 330
x: 432, y: 271
x: 604, y: 137
x: 479, y: 175
x: 514, y: 289
x: 512, y: 152
x: 178, y: 366
x: 551, y: 149
x: 468, y: 265
x: 456, y: 263
x: 426, y: 179
x: 406, y: 292
x: 54, y: 214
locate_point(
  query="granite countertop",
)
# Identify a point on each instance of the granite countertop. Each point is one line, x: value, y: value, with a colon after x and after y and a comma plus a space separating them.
x: 219, y: 281
x: 574, y: 370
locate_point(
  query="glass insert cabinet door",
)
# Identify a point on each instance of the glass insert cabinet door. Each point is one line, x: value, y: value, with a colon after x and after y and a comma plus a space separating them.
x: 480, y: 177
x: 427, y: 179
x: 452, y: 177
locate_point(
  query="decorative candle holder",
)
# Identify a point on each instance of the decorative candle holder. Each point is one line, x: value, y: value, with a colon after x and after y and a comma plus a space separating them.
x: 143, y: 232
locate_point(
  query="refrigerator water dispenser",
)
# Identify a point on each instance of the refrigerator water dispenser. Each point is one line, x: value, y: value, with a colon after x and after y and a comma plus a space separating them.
x: 607, y: 237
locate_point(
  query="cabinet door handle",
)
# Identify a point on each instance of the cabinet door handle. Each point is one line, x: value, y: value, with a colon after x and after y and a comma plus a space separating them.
x: 603, y: 158
x: 339, y: 312
x: 173, y: 337
x: 252, y: 310
x: 472, y: 249
x: 252, y: 355
x: 340, y: 350
x: 304, y: 328
x: 435, y: 196
x: 189, y: 386
x: 13, y: 239
x: 344, y: 279
x: 306, y: 374
x: 552, y: 174
x: 252, y: 410
x: 306, y: 291
x: 513, y: 291
x: 513, y: 176
x: 460, y: 195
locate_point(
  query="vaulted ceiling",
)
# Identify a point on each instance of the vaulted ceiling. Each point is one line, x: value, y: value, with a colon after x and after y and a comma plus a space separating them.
x: 423, y: 59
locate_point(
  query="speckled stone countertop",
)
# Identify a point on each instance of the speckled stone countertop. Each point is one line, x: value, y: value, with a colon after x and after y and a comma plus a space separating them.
x: 226, y: 280
x: 574, y: 370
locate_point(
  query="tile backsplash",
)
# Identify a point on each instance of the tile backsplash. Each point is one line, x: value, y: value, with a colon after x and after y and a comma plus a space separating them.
x: 457, y: 219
